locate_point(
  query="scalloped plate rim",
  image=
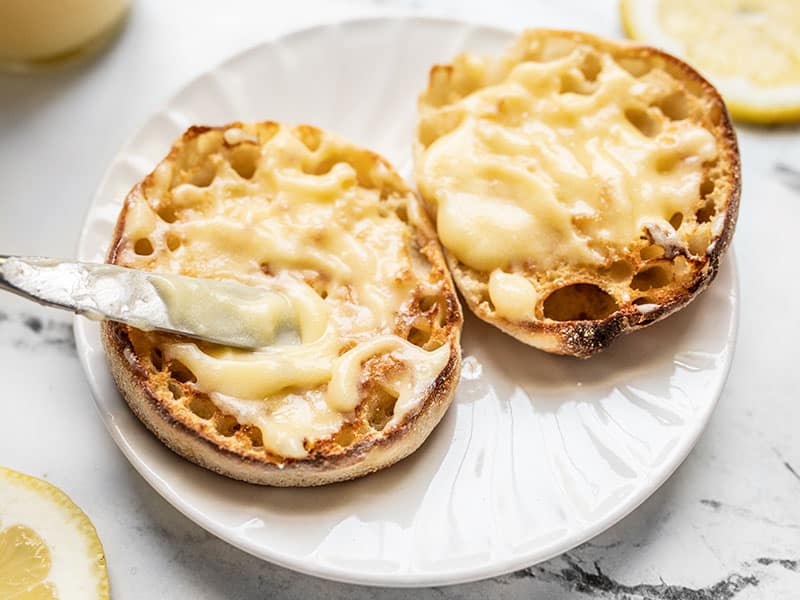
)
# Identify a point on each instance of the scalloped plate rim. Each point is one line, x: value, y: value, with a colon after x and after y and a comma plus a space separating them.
x: 87, y: 338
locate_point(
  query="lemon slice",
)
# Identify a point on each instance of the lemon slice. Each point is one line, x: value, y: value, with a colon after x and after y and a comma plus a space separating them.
x: 49, y: 550
x: 749, y: 49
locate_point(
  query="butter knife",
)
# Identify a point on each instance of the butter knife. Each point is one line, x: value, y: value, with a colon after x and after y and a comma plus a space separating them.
x: 222, y: 312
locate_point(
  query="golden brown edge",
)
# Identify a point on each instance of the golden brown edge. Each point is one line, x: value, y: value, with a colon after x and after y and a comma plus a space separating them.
x: 355, y: 461
x: 582, y: 339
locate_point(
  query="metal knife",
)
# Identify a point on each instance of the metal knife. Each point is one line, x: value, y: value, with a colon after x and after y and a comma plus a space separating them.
x: 137, y: 298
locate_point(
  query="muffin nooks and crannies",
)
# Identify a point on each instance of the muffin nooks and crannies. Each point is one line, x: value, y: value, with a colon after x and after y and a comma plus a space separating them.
x: 582, y: 188
x: 368, y: 363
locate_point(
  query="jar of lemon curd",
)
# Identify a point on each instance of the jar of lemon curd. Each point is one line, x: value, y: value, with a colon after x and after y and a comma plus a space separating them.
x: 35, y: 33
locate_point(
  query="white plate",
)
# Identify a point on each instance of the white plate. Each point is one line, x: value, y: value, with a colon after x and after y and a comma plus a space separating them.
x: 538, y: 453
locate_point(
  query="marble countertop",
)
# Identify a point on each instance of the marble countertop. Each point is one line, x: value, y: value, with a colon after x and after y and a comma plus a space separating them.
x: 726, y: 525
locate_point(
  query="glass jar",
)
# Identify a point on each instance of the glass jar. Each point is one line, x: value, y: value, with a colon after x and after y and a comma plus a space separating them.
x: 36, y: 33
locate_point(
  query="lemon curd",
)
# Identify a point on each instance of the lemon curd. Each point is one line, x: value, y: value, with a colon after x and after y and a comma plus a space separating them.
x: 39, y: 31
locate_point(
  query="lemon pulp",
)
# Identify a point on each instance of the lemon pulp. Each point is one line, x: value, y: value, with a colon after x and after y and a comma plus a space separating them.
x: 750, y: 49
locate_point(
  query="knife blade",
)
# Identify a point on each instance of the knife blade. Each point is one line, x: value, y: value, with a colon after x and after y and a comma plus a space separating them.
x: 223, y: 312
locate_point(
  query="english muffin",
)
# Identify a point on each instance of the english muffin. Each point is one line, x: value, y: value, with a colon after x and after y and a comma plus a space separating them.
x: 375, y: 357
x: 582, y: 188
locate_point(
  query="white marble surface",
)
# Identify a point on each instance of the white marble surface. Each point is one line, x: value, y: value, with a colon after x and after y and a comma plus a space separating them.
x: 726, y: 525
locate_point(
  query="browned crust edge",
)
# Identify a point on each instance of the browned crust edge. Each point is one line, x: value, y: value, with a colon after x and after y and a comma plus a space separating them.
x: 582, y: 339
x: 357, y: 460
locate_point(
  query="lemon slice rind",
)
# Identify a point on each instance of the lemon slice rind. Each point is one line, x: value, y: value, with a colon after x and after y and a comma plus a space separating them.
x: 77, y: 561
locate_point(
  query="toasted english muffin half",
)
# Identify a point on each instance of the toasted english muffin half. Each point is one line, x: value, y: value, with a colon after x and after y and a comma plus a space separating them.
x: 582, y: 188
x: 335, y: 229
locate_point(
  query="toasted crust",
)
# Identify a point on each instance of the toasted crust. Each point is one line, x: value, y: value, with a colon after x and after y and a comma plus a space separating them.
x: 185, y: 418
x: 634, y: 308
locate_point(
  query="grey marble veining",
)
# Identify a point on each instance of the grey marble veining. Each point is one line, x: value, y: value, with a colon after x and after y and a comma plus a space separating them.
x: 26, y: 331
x: 789, y: 175
x: 725, y: 526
